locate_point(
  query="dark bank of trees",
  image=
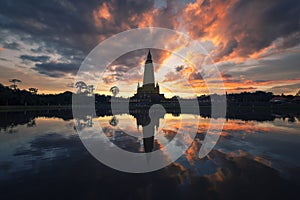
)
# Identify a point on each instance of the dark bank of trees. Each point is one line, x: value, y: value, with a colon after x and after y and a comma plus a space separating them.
x: 245, y: 97
x: 16, y: 96
x: 241, y: 98
x: 12, y: 96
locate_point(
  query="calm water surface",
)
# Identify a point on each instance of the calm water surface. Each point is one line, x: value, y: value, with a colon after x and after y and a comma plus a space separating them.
x: 42, y: 157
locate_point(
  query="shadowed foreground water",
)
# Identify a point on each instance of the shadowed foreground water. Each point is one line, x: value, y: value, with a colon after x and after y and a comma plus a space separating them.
x: 42, y: 157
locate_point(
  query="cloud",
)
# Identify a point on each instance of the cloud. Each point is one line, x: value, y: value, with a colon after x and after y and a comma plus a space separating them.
x: 288, y: 88
x: 289, y: 41
x: 137, y: 58
x: 56, y: 70
x: 282, y: 67
x: 181, y: 73
x: 35, y: 58
x: 243, y: 88
x: 225, y: 50
x: 129, y: 60
x: 172, y: 76
x: 115, y: 16
x: 224, y: 75
x: 230, y: 24
x: 72, y: 28
x: 4, y: 59
x: 11, y: 45
x: 240, y: 27
x: 56, y: 22
x: 195, y: 76
x: 236, y: 29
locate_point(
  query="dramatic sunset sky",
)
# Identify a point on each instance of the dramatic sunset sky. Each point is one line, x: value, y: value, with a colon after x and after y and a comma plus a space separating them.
x: 254, y: 43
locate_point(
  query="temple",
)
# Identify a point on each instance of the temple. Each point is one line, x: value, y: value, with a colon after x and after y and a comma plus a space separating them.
x: 147, y: 96
x: 148, y: 93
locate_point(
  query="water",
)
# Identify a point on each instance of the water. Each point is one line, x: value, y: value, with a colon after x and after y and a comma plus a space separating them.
x: 41, y: 156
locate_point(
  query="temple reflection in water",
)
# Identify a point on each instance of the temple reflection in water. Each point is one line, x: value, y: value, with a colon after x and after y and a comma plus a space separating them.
x: 149, y: 120
x: 144, y: 105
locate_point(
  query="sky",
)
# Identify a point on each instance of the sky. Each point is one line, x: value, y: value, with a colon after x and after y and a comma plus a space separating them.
x: 255, y: 44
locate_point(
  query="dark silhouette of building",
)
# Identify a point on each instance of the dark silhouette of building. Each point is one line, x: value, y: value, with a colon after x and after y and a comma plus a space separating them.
x: 148, y: 94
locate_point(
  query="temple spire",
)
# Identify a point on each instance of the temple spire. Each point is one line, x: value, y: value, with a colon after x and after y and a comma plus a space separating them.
x: 149, y: 57
x: 149, y: 71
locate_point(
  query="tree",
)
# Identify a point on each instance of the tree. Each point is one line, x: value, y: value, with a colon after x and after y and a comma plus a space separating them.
x: 80, y: 85
x: 14, y: 83
x: 33, y: 90
x: 114, y: 90
x: 298, y: 93
x: 90, y: 89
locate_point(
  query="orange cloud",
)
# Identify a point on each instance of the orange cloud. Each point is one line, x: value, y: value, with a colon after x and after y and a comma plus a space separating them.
x: 231, y: 84
x: 241, y: 29
x: 219, y: 21
x: 144, y: 20
x: 209, y: 22
x: 102, y: 13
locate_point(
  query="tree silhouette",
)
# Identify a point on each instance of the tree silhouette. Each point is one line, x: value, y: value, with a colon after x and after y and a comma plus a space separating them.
x: 14, y: 83
x: 33, y: 90
x: 80, y: 85
x: 90, y: 89
x: 114, y: 90
x: 298, y: 93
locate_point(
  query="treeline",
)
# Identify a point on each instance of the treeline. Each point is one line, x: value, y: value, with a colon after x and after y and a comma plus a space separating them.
x: 258, y: 96
x: 11, y: 96
x: 244, y: 97
x: 15, y: 97
x: 23, y: 97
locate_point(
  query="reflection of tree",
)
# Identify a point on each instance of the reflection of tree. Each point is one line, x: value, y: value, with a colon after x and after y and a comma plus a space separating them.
x: 31, y: 123
x: 291, y: 119
x: 11, y: 129
x: 84, y: 122
x: 114, y: 121
x: 23, y: 118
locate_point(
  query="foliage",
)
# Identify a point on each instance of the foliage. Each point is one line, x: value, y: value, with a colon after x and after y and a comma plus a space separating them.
x: 15, y: 96
x: 14, y: 83
x: 114, y: 90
